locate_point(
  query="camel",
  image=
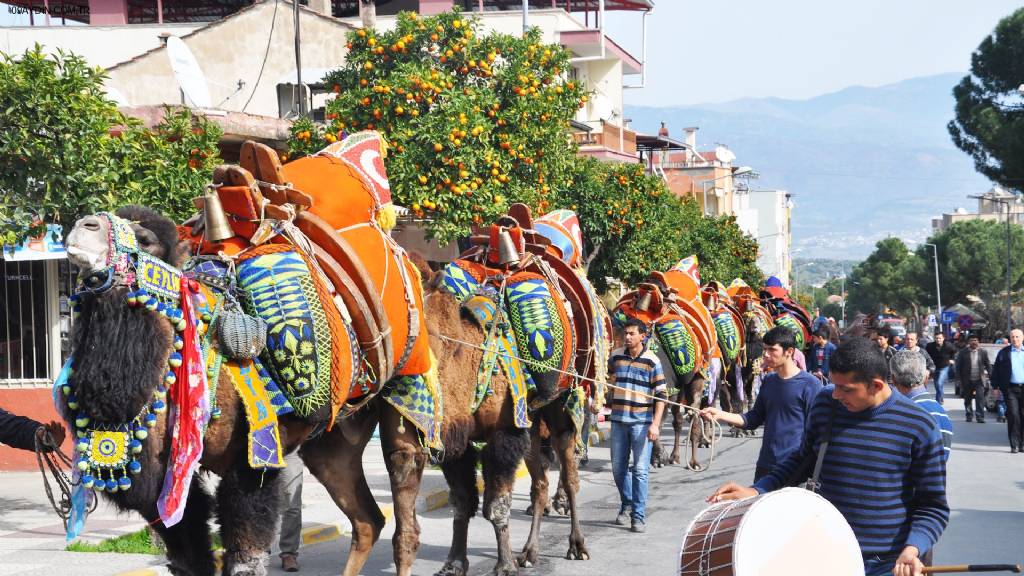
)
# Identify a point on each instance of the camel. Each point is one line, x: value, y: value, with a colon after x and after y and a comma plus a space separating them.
x: 113, y: 388
x: 682, y: 326
x: 507, y: 441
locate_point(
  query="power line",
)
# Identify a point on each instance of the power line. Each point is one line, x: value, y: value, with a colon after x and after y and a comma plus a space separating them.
x: 266, y: 52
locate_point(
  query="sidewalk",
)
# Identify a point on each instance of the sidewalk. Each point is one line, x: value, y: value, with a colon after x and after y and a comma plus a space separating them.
x: 32, y: 537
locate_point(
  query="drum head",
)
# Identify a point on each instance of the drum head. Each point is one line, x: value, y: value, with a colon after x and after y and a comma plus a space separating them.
x: 795, y: 532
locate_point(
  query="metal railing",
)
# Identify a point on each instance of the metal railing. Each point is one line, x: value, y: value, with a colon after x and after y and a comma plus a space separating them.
x: 35, y: 321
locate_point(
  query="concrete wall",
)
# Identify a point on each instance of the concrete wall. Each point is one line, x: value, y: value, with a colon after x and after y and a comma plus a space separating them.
x: 101, y: 46
x: 232, y: 50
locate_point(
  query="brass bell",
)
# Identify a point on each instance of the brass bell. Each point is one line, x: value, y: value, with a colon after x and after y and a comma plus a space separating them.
x: 508, y: 254
x: 217, y: 227
x: 643, y: 304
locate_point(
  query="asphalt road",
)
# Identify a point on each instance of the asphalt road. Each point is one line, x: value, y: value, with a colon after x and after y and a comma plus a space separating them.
x: 986, y: 493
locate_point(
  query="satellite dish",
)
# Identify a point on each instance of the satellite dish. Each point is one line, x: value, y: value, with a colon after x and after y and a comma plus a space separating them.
x: 190, y: 76
x: 724, y: 155
x: 116, y: 95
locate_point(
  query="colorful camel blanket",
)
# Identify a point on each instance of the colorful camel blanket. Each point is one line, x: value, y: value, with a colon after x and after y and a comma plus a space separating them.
x: 418, y: 399
x: 464, y: 281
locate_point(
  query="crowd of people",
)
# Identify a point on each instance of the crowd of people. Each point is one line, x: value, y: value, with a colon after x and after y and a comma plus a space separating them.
x: 861, y: 410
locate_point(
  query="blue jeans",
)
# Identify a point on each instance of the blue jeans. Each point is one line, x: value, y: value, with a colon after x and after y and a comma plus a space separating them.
x: 941, y: 375
x: 875, y: 566
x: 631, y: 479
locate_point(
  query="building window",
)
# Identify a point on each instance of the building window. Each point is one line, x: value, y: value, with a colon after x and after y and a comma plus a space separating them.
x: 35, y: 321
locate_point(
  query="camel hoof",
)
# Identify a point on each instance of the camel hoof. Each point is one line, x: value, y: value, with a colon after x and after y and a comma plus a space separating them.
x: 674, y: 458
x: 505, y: 570
x: 527, y: 558
x: 453, y: 568
x: 577, y: 552
x: 695, y: 466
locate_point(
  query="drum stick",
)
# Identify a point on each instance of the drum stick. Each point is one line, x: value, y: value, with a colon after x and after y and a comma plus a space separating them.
x: 1016, y: 568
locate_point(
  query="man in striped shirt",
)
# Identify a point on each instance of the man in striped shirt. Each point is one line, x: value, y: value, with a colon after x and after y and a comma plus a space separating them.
x: 910, y: 374
x: 884, y: 468
x: 637, y: 378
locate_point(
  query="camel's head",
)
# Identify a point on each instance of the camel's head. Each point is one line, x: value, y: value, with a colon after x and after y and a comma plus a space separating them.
x: 101, y: 245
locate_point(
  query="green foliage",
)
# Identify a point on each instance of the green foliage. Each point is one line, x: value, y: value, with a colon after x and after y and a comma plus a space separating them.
x: 989, y: 122
x: 474, y: 122
x: 887, y: 278
x: 972, y: 261
x: 66, y: 151
x: 632, y: 225
x: 139, y: 542
x: 166, y: 167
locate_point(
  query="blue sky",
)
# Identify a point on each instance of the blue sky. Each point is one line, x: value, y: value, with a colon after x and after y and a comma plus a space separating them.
x: 708, y: 51
x: 712, y: 51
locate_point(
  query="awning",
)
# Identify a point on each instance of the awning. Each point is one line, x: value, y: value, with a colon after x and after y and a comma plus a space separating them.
x: 49, y: 246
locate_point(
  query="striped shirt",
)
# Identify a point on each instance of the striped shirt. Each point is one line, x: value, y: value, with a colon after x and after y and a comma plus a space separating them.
x: 641, y: 374
x: 920, y: 397
x: 884, y: 470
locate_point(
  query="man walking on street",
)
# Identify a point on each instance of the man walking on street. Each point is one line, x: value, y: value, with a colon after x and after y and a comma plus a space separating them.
x: 1008, y: 376
x: 973, y: 366
x: 909, y: 375
x: 883, y: 466
x: 882, y: 339
x: 942, y: 354
x: 821, y: 351
x: 636, y: 420
x: 782, y: 406
x: 913, y: 347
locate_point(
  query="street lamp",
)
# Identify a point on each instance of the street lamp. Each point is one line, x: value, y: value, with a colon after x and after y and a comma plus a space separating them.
x: 938, y: 294
x: 796, y: 279
x: 741, y: 171
x: 1007, y: 203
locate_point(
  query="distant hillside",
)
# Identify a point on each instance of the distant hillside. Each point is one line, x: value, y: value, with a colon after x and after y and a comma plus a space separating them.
x: 862, y: 163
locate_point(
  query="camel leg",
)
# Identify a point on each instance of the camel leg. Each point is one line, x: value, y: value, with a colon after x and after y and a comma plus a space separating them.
x: 336, y: 460
x: 696, y: 394
x: 465, y: 499
x: 500, y: 459
x: 537, y: 464
x: 248, y: 507
x: 565, y: 446
x: 677, y: 428
x: 405, y: 460
x: 188, y: 542
x: 560, y: 501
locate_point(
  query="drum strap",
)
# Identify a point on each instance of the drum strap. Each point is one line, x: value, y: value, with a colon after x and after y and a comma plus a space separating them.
x: 813, y: 484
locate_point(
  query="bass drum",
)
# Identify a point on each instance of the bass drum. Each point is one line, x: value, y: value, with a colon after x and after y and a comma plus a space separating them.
x: 791, y: 532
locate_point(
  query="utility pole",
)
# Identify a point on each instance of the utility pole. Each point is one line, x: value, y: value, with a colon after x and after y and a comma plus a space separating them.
x: 298, y: 58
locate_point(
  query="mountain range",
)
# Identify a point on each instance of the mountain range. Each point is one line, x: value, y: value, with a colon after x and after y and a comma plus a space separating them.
x: 862, y: 163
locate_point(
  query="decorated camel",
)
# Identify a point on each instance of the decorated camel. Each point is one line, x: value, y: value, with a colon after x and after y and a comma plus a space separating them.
x: 684, y: 331
x: 786, y: 311
x: 520, y: 321
x: 297, y: 322
x: 757, y: 321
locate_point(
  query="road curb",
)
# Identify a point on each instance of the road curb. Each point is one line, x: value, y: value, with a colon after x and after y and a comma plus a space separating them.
x: 437, y: 499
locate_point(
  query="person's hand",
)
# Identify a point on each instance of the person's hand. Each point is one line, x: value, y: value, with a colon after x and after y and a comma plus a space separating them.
x: 56, y: 432
x: 731, y: 491
x: 710, y: 413
x: 653, y: 431
x: 908, y: 564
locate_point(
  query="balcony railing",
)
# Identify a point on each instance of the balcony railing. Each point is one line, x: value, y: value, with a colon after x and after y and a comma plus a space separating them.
x: 609, y: 137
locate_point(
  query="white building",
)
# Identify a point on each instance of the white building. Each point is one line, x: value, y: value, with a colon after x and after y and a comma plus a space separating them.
x: 774, y: 231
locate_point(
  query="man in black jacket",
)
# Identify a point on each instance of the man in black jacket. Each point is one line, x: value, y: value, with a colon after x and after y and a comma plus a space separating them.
x: 972, y: 365
x: 942, y: 353
x: 21, y: 432
x: 1008, y: 377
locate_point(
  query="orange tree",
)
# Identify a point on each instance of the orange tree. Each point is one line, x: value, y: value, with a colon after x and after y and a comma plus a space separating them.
x: 632, y: 225
x: 474, y: 121
x: 66, y: 150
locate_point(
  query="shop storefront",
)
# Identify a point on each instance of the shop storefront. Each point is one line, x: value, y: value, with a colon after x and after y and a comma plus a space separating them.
x: 35, y: 328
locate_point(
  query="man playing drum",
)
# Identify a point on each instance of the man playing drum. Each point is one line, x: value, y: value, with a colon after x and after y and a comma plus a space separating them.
x: 884, y: 467
x: 782, y: 406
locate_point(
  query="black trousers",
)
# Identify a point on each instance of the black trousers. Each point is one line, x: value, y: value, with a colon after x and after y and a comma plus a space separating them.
x: 974, y: 390
x: 1014, y: 410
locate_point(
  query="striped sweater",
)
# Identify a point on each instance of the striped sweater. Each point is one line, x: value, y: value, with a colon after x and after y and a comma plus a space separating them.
x: 641, y: 374
x: 884, y: 470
